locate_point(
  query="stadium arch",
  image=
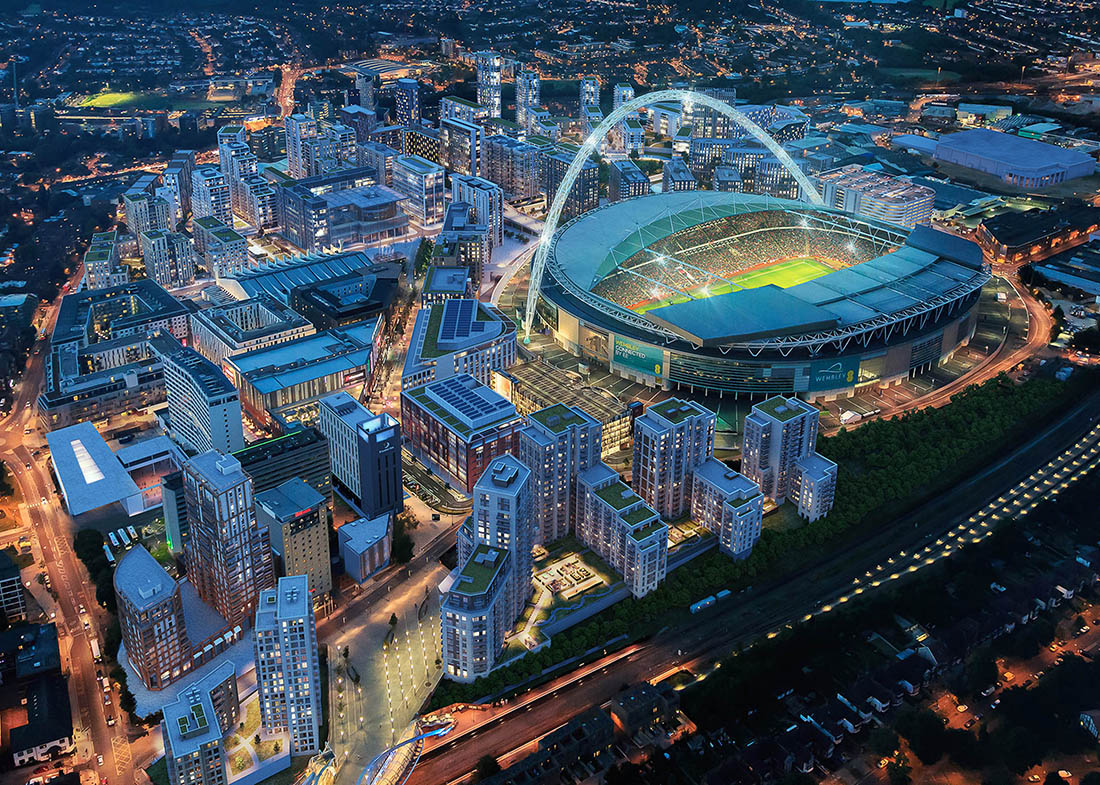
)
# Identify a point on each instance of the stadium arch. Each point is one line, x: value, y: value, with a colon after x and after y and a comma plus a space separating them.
x: 592, y: 144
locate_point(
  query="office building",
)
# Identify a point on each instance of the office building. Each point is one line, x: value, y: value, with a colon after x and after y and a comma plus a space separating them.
x: 460, y: 145
x: 486, y: 199
x: 618, y: 525
x: 365, y: 545
x: 671, y: 439
x: 12, y: 599
x: 303, y: 452
x: 174, y: 505
x: 421, y: 183
x: 288, y: 673
x: 228, y: 554
x: 365, y: 453
x: 585, y: 193
x: 195, y: 726
x: 169, y: 258
x: 489, y: 66
x: 299, y: 128
x: 145, y: 213
x: 457, y: 427
x: 380, y: 158
x: 625, y: 181
x: 224, y: 250
x: 297, y: 520
x: 458, y: 337
x: 513, y: 165
x: 779, y: 433
x: 287, y: 380
x: 675, y: 176
x: 244, y: 326
x: 858, y: 191
x: 475, y: 613
x: 406, y: 94
x: 590, y: 93
x: 150, y: 616
x: 813, y: 486
x: 204, y: 409
x: 528, y: 96
x: 558, y: 444
x: 210, y: 195
x: 729, y: 505
x: 346, y: 299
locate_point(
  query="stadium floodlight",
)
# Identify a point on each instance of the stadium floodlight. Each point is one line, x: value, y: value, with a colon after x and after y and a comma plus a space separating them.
x: 591, y: 146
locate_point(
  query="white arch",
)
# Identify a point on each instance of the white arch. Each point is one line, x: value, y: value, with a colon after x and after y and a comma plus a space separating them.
x: 592, y: 144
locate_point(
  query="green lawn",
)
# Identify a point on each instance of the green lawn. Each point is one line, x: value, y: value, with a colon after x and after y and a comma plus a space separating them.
x: 920, y: 74
x: 158, y: 772
x: 784, y: 274
x: 789, y: 272
x: 132, y: 100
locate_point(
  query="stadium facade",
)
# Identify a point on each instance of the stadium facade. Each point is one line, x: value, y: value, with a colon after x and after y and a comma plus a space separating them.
x: 739, y: 294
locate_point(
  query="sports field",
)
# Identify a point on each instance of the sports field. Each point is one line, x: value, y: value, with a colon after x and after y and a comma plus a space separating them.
x: 131, y: 100
x: 784, y: 274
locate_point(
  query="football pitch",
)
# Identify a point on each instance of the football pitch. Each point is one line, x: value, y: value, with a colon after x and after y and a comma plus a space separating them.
x: 789, y: 272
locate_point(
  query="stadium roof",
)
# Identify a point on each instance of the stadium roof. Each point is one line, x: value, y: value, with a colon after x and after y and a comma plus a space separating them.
x: 929, y: 266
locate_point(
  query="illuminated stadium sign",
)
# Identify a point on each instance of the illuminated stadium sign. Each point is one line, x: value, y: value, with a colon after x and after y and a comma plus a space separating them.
x: 638, y: 356
x: 831, y: 374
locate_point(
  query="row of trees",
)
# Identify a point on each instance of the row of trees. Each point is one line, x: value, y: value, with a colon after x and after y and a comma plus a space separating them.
x: 887, y: 467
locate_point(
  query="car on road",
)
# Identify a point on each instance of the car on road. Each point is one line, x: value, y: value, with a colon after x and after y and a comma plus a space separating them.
x: 110, y: 720
x: 43, y: 499
x: 99, y: 760
x: 970, y: 723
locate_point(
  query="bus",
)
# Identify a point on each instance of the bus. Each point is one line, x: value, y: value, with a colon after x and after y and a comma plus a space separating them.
x: 133, y: 534
x: 124, y: 538
x: 114, y: 540
x: 110, y: 556
x: 96, y: 655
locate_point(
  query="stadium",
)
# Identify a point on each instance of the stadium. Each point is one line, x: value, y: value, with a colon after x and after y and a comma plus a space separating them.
x: 728, y: 293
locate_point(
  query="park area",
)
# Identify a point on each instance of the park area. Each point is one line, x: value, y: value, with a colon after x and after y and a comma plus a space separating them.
x: 145, y: 100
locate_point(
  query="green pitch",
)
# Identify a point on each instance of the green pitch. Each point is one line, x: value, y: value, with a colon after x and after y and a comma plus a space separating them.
x: 790, y: 272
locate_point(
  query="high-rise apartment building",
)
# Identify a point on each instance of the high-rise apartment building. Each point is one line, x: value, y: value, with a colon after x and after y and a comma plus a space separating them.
x: 779, y: 453
x: 297, y: 518
x: 176, y: 177
x: 210, y: 195
x: 196, y: 724
x: 621, y: 93
x: 380, y: 158
x: 729, y: 505
x: 513, y: 165
x: 590, y: 93
x: 528, y: 96
x: 204, y: 409
x: 224, y: 250
x: 460, y: 145
x: 475, y: 613
x: 625, y: 181
x: 228, y: 554
x: 617, y: 524
x: 299, y: 129
x: 676, y: 176
x: 486, y: 199
x: 229, y: 135
x: 489, y: 67
x: 585, y: 193
x: 407, y: 102
x: 671, y: 439
x: 150, y: 615
x: 144, y: 212
x: 169, y: 258
x: 288, y: 673
x: 558, y: 444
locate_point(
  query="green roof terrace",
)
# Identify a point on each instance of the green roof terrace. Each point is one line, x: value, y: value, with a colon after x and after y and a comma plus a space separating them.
x: 676, y: 410
x: 478, y: 572
x: 618, y: 495
x: 557, y: 418
x: 780, y: 409
x: 646, y: 531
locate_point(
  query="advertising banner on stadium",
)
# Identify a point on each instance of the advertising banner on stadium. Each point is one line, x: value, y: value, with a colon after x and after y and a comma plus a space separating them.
x: 833, y: 374
x: 638, y: 357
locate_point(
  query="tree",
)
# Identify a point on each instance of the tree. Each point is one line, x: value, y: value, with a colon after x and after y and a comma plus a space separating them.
x: 1053, y: 778
x: 423, y: 256
x: 487, y: 766
x: 883, y: 742
x: 899, y: 771
x: 393, y: 619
